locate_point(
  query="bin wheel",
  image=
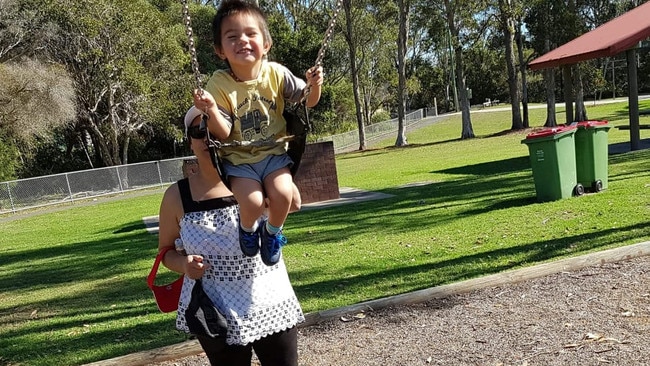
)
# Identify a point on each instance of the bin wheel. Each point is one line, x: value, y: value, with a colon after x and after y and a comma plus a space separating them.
x: 578, y: 190
x: 597, y: 186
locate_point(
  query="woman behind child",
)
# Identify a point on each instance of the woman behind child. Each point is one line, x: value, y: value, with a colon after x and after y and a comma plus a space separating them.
x: 199, y: 215
x: 245, y: 103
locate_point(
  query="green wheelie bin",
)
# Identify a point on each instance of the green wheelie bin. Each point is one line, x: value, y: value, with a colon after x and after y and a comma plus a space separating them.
x: 592, y: 154
x: 552, y: 158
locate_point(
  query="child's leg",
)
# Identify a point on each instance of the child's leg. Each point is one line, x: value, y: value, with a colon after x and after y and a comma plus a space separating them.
x: 279, y: 188
x: 296, y: 200
x: 248, y: 193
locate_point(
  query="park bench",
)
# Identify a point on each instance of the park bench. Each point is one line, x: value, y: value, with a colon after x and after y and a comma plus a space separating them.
x: 489, y: 102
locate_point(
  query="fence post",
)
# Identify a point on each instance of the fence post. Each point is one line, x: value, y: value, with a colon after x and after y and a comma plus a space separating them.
x: 157, y: 162
x: 11, y: 198
x: 119, y: 179
x: 67, y: 182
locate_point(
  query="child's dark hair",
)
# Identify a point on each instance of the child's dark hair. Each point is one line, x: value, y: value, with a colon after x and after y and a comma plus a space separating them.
x: 232, y: 7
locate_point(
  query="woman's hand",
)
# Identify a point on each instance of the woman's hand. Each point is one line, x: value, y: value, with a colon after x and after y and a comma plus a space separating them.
x: 194, y: 267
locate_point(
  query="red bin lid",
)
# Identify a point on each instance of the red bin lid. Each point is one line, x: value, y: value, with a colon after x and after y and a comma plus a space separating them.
x: 588, y: 124
x: 550, y: 132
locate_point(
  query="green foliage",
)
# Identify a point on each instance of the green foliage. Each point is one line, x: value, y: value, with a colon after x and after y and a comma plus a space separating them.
x: 380, y: 116
x: 127, y: 66
x: 55, y: 155
x: 8, y: 160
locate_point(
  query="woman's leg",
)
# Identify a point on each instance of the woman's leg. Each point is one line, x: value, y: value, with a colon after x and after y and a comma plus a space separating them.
x: 221, y: 354
x: 279, y: 349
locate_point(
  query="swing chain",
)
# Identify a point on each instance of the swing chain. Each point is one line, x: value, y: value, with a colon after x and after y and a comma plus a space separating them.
x: 328, y: 33
x: 192, y: 48
x: 325, y: 44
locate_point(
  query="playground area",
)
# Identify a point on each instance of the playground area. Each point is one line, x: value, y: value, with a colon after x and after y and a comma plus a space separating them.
x: 596, y: 315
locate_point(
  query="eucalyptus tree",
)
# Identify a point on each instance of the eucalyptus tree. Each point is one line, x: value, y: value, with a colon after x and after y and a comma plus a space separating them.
x: 463, y: 22
x: 508, y: 12
x: 35, y: 97
x: 404, y: 9
x: 350, y: 37
x: 542, y: 23
x: 35, y: 100
x: 430, y: 61
x: 126, y: 59
x: 367, y: 31
x: 523, y: 66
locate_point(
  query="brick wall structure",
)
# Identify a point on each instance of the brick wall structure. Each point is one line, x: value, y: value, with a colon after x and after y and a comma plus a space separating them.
x: 316, y: 177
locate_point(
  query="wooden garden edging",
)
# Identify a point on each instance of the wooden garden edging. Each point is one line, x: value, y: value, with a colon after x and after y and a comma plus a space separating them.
x: 193, y: 347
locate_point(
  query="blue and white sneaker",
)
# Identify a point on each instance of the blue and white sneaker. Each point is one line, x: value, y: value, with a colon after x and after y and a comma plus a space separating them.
x: 271, y: 246
x: 249, y: 242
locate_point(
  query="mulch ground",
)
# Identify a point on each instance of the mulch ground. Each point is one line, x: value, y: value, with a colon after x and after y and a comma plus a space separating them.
x: 599, y: 315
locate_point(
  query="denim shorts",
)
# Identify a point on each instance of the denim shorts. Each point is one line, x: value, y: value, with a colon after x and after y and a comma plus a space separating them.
x: 260, y: 170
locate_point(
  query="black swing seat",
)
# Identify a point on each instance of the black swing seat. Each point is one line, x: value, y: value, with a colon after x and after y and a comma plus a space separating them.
x: 297, y: 118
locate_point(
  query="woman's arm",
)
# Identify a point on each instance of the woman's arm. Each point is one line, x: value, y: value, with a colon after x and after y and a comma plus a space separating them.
x: 170, y: 214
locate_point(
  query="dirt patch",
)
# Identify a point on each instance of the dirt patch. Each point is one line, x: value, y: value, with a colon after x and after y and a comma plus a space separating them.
x: 595, y: 316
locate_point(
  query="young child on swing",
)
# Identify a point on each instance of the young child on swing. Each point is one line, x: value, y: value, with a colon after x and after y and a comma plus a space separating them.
x: 245, y: 103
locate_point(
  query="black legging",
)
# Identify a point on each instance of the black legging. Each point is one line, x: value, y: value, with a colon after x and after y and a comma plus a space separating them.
x: 278, y: 349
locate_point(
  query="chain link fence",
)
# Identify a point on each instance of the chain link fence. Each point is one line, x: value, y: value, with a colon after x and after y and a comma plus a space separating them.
x: 55, y: 189
x: 64, y: 188
x: 349, y: 141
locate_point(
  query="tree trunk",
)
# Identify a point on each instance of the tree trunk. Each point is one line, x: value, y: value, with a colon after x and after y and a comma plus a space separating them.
x: 549, y: 78
x: 508, y: 28
x: 347, y: 4
x: 581, y: 110
x: 401, y: 69
x: 522, y: 70
x: 468, y: 131
x: 567, y: 79
x: 102, y: 151
x: 84, y: 147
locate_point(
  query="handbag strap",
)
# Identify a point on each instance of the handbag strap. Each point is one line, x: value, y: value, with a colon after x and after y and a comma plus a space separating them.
x: 156, y: 264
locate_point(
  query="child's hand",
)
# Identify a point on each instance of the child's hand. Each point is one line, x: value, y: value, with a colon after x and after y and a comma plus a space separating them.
x: 203, y: 100
x: 315, y: 76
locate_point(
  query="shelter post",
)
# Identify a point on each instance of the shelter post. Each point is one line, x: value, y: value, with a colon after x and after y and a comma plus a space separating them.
x: 633, y: 95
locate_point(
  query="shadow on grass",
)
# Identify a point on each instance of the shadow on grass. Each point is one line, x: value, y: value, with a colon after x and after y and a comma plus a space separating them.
x: 384, y: 150
x: 470, y: 266
x: 104, y: 318
x: 506, y: 166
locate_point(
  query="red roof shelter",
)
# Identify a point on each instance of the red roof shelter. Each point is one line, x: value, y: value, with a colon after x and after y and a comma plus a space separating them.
x: 621, y: 34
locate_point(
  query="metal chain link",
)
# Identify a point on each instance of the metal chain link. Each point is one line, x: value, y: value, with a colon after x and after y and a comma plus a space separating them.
x: 192, y: 48
x: 328, y: 33
x: 325, y: 44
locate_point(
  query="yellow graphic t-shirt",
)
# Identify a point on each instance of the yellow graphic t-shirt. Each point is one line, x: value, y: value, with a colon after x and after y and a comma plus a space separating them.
x: 254, y: 109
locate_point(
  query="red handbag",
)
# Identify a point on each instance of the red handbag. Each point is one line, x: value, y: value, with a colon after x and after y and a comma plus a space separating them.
x: 166, y: 296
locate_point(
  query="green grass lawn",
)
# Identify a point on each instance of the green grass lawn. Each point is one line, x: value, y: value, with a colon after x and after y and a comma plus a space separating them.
x: 72, y: 282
